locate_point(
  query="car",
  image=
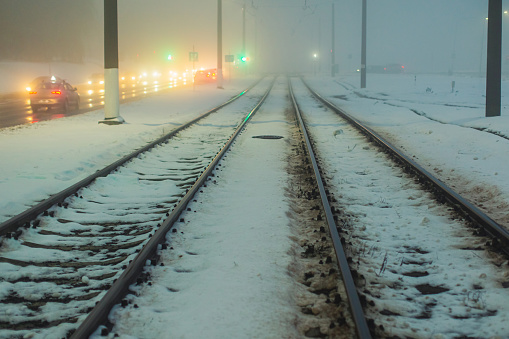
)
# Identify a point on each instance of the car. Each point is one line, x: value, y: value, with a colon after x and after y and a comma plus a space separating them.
x: 205, y: 75
x: 394, y: 68
x: 128, y: 78
x: 54, y: 93
x: 96, y: 80
x: 40, y: 79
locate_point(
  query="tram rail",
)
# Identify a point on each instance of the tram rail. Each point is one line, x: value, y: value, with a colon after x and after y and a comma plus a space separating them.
x: 108, y: 240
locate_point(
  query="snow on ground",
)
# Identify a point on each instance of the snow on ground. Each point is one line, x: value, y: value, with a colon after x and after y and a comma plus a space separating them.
x: 226, y: 274
x: 406, y: 245
x: 446, y: 132
x: 438, y: 127
x: 43, y: 158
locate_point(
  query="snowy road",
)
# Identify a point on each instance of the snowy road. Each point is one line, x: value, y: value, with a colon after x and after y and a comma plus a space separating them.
x: 15, y: 108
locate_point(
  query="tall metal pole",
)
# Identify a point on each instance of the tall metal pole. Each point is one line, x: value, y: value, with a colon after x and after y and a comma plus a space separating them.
x: 244, y: 29
x: 219, y: 45
x: 320, y: 51
x: 363, y: 46
x: 483, y: 46
x: 111, y: 85
x: 333, y: 48
x: 494, y: 59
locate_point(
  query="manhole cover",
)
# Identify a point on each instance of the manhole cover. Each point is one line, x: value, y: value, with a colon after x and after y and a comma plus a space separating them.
x: 268, y: 137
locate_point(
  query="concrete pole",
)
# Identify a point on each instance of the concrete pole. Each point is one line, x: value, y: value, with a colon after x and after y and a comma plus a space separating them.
x: 333, y: 48
x: 494, y: 59
x: 363, y: 46
x: 219, y: 45
x: 244, y: 29
x: 111, y: 85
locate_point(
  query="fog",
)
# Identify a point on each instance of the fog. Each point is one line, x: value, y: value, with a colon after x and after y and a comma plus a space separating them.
x: 280, y: 35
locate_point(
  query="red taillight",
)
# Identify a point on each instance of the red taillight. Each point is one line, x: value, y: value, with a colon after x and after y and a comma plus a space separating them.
x: 56, y: 92
x: 32, y: 92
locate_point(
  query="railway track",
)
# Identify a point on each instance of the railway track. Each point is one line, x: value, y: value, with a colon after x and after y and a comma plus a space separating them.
x: 59, y: 257
x: 413, y: 256
x: 426, y: 262
x: 248, y: 219
x: 372, y: 266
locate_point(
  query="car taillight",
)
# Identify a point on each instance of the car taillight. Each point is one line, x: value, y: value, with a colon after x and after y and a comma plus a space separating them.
x: 32, y: 92
x: 56, y: 92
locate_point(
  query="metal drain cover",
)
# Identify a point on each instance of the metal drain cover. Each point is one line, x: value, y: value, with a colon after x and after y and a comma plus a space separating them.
x: 268, y: 137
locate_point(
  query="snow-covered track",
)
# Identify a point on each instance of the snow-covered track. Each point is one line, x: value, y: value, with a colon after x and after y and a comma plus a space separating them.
x: 351, y: 290
x: 25, y: 218
x: 480, y: 220
x: 134, y: 271
x: 58, y: 258
x: 423, y: 264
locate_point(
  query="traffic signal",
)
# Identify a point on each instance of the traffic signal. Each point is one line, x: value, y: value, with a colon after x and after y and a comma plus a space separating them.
x: 170, y: 57
x: 244, y: 59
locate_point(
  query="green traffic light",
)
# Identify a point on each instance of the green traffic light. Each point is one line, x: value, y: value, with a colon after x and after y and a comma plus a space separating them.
x: 243, y: 59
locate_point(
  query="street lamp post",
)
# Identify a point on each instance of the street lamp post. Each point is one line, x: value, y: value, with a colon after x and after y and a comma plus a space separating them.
x: 244, y: 29
x: 494, y: 59
x: 333, y: 48
x: 483, y: 45
x: 363, y: 46
x: 111, y: 85
x: 315, y: 60
x: 219, y: 45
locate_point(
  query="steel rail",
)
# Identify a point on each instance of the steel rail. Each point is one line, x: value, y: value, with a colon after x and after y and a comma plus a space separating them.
x: 498, y: 232
x: 351, y: 290
x: 24, y: 218
x: 120, y: 287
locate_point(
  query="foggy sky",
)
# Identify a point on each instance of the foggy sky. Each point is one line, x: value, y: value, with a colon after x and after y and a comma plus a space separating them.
x: 283, y: 35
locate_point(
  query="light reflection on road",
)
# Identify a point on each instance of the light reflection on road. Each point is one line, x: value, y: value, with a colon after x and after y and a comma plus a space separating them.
x: 17, y: 111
